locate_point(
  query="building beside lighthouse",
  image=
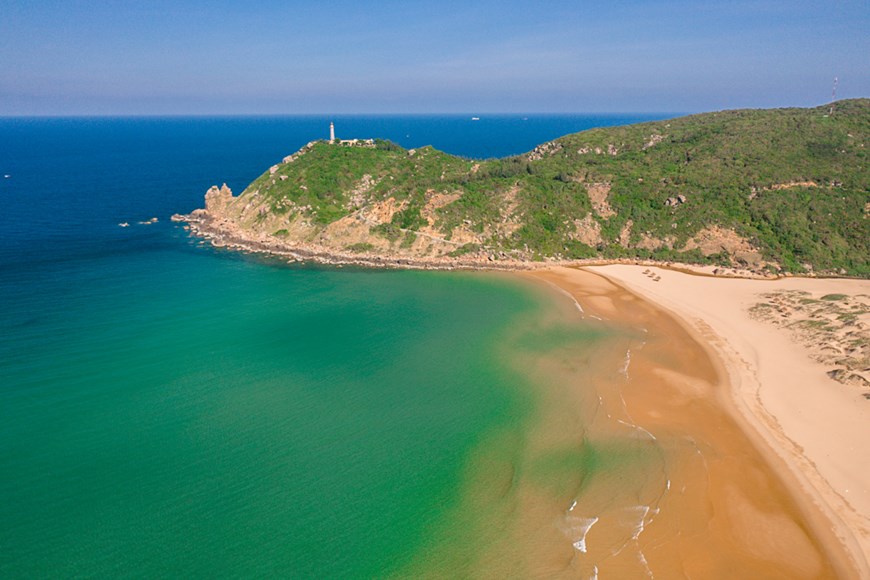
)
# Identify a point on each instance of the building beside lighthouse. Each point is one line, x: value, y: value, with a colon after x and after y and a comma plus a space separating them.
x: 348, y: 142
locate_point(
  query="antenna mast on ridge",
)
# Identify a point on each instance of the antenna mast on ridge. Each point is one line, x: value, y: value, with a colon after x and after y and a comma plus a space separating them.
x: 833, y: 96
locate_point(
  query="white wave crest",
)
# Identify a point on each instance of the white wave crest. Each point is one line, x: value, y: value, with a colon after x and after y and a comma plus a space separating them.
x: 624, y: 370
x: 638, y: 428
x: 569, y: 295
x: 576, y: 529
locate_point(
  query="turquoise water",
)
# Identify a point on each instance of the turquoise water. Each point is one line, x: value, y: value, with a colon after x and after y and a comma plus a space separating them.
x: 271, y: 420
x: 171, y: 410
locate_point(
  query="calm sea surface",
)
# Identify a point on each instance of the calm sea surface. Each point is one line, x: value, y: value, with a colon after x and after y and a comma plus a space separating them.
x: 168, y: 410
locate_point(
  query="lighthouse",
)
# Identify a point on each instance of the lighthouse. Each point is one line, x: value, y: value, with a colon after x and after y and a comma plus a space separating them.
x: 331, y: 131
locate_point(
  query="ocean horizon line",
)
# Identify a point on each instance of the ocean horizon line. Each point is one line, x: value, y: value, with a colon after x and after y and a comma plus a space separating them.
x: 471, y: 114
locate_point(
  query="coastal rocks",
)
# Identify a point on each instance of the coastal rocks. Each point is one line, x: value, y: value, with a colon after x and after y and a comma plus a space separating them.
x: 462, y: 235
x: 650, y: 242
x: 598, y: 194
x: 298, y: 154
x: 755, y: 191
x: 147, y: 222
x: 509, y: 220
x: 357, y: 195
x: 654, y: 140
x: 382, y: 212
x: 646, y: 242
x: 587, y: 231
x: 224, y: 233
x: 675, y: 201
x: 611, y: 150
x: 352, y: 232
x: 544, y: 150
x: 434, y: 202
x: 625, y: 234
x: 716, y: 240
x: 791, y: 185
x: 217, y: 200
x: 299, y: 241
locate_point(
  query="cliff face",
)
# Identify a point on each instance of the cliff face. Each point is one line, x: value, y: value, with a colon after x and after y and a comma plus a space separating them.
x: 778, y: 189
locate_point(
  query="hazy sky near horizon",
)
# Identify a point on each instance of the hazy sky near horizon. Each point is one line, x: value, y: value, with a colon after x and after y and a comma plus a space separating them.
x: 333, y: 57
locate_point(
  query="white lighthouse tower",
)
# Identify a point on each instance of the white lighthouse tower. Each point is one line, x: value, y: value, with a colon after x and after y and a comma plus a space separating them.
x: 331, y: 131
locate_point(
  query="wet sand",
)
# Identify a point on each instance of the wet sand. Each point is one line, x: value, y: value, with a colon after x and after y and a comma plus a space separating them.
x: 813, y: 428
x: 729, y: 508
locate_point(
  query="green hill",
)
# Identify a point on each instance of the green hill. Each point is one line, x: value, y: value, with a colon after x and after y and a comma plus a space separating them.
x: 767, y: 189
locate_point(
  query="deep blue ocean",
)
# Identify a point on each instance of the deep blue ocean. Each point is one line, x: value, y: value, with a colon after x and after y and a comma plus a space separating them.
x: 167, y: 409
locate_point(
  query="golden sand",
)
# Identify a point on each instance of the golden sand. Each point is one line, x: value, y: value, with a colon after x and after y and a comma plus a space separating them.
x: 731, y: 509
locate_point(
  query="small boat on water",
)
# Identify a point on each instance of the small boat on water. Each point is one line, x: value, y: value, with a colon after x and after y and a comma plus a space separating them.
x: 124, y: 225
x: 475, y: 118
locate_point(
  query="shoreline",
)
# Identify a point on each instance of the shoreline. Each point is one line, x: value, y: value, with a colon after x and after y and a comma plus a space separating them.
x: 807, y: 424
x: 224, y: 233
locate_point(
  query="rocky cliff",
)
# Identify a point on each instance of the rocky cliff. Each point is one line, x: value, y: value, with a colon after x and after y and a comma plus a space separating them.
x: 768, y: 190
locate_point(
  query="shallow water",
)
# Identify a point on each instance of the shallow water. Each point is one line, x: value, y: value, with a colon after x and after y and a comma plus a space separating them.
x: 531, y: 497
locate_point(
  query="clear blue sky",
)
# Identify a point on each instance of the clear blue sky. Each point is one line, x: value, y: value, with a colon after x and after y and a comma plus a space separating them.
x: 187, y: 56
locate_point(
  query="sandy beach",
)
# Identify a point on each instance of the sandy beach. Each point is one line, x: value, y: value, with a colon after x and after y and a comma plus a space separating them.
x: 810, y: 430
